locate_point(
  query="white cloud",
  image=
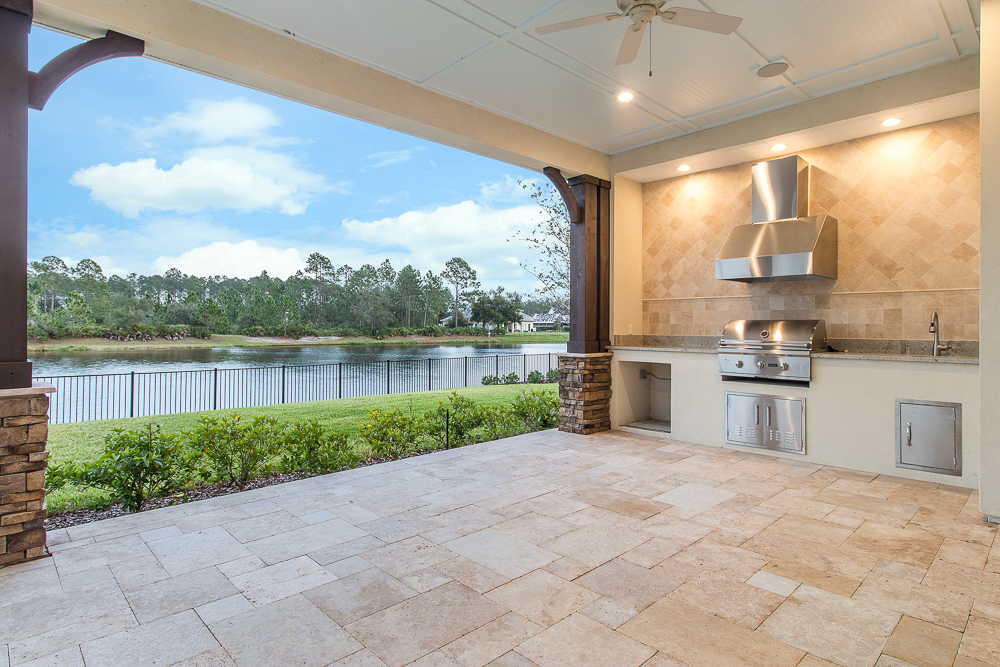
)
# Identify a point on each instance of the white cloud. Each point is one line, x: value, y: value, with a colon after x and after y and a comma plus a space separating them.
x: 475, y: 232
x: 240, y: 178
x: 388, y: 199
x: 240, y: 260
x: 508, y: 188
x: 84, y: 238
x: 386, y: 158
x: 215, y: 122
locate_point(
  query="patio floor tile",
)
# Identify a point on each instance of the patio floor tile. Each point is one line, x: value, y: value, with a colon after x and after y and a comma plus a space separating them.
x: 500, y: 552
x: 351, y: 598
x: 413, y: 628
x: 579, y: 641
x: 541, y: 550
x: 161, y: 642
x: 288, y: 632
x: 543, y: 598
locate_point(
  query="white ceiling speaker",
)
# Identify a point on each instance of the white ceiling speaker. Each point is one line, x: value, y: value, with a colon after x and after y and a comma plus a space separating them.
x: 772, y: 69
x: 642, y: 12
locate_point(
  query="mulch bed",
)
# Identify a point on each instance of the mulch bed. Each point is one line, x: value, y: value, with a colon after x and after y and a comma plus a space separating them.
x: 203, y: 492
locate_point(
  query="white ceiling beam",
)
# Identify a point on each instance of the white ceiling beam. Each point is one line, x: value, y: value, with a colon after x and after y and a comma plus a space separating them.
x: 943, y: 29
x: 946, y: 78
x: 750, y: 50
x: 967, y: 22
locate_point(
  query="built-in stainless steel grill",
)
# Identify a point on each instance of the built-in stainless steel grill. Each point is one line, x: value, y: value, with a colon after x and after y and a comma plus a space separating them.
x: 771, y: 349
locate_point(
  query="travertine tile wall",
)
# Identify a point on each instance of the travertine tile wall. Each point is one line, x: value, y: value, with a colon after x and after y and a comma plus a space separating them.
x: 908, y: 206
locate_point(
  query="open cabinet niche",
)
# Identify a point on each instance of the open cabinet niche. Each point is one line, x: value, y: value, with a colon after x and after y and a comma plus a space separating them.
x: 649, y: 398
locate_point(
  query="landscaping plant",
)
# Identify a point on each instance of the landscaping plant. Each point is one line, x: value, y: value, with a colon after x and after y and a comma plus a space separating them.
x: 535, y: 377
x: 510, y: 378
x: 537, y: 410
x: 139, y: 465
x: 309, y: 448
x: 491, y: 380
x: 237, y: 450
x: 460, y: 415
x: 500, y: 422
x: 390, y: 433
x: 552, y: 375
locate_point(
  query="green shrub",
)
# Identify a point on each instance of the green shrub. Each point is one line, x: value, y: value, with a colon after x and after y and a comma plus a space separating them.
x: 235, y: 449
x: 390, y: 433
x: 491, y: 379
x: 535, y: 377
x: 510, y: 378
x: 537, y: 410
x: 139, y: 465
x: 58, y: 475
x: 552, y: 375
x: 201, y: 332
x: 308, y: 448
x: 461, y: 415
x: 500, y: 422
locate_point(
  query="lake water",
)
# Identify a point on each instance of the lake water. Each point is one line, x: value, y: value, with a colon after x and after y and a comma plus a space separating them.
x: 94, y: 362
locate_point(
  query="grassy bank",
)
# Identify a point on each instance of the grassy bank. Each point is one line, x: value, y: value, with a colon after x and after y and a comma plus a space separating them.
x: 225, y: 340
x: 84, y: 442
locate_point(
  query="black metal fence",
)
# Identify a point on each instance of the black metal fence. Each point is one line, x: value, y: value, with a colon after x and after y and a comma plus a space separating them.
x: 80, y: 398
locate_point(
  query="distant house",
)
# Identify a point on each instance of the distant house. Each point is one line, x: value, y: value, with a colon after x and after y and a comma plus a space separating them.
x: 552, y: 319
x: 526, y: 324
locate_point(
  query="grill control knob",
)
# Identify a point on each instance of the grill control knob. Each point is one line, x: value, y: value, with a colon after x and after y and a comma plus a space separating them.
x: 761, y: 365
x: 784, y: 367
x: 739, y: 364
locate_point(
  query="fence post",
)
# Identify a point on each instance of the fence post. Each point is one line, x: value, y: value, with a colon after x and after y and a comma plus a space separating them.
x: 550, y: 361
x: 466, y: 378
x: 131, y: 398
x: 340, y: 379
x: 388, y: 375
x: 524, y: 367
x: 428, y: 373
x: 447, y: 429
x: 215, y: 389
x: 498, y: 365
x: 282, y: 384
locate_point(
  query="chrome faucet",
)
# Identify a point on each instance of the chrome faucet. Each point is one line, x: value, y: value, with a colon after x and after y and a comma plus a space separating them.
x: 935, y: 329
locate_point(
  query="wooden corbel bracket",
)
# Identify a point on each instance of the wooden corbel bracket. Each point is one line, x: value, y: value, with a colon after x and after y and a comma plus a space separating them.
x: 42, y: 84
x: 562, y: 187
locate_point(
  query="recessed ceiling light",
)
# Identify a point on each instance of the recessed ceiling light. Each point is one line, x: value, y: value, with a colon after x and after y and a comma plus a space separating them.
x: 684, y: 167
x: 778, y: 147
x: 625, y: 97
x: 772, y: 69
x: 890, y: 122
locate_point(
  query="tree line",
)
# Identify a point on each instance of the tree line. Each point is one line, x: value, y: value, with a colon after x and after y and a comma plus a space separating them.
x: 80, y: 300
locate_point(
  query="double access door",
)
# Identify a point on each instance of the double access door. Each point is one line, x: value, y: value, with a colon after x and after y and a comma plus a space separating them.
x: 772, y: 422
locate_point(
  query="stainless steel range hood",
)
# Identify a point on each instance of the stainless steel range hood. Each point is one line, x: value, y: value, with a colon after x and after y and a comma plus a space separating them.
x: 783, y: 242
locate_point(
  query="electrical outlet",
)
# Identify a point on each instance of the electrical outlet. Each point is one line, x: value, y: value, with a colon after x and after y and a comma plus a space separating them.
x: 642, y: 373
x: 630, y: 329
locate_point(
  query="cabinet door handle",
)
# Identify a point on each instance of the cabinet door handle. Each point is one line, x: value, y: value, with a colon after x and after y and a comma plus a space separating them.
x: 909, y: 434
x: 756, y: 414
x: 769, y: 415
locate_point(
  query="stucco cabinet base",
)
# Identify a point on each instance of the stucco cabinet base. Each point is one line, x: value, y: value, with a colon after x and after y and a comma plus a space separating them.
x: 850, y: 405
x: 24, y: 432
x: 585, y: 393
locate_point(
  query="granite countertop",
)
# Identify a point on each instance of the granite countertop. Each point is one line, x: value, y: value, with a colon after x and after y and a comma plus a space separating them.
x: 946, y: 358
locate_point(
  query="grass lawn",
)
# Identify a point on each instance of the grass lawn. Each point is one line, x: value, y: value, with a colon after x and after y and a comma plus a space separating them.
x: 84, y: 442
x: 226, y: 340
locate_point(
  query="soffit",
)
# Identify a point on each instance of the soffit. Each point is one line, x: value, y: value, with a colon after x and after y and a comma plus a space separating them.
x: 485, y: 52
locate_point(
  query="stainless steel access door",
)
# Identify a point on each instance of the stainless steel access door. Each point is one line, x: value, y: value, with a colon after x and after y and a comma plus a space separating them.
x: 929, y: 436
x: 743, y: 419
x: 774, y: 422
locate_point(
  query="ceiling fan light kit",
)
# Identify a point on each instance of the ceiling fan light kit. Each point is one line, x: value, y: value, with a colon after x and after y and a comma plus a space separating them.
x: 642, y: 12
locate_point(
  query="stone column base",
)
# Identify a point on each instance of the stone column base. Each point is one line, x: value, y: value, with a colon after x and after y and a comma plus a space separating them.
x: 585, y: 393
x: 24, y: 432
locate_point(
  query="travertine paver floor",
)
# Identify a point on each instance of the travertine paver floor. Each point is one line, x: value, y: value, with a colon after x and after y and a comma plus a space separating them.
x: 547, y: 549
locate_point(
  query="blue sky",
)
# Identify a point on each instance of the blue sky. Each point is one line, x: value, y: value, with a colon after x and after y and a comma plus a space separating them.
x: 143, y: 166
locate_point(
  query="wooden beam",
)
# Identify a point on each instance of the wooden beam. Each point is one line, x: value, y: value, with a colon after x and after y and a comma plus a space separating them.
x: 562, y: 187
x: 69, y: 62
x: 590, y: 262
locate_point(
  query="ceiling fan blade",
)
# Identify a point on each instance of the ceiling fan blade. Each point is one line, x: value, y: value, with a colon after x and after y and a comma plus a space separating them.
x: 722, y: 24
x: 576, y: 23
x: 631, y: 44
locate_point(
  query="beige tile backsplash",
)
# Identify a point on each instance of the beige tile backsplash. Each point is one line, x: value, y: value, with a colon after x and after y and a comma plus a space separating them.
x: 908, y: 209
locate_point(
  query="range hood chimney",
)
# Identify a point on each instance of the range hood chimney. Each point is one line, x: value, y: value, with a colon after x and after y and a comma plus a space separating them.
x: 783, y: 242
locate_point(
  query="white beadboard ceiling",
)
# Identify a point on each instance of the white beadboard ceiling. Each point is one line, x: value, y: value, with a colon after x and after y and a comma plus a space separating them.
x: 486, y: 53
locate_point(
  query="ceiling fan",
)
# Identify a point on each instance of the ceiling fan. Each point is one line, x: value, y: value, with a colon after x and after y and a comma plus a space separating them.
x: 642, y: 12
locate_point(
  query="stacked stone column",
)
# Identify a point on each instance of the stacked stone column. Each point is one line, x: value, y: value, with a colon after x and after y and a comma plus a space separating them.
x: 585, y: 393
x: 24, y: 432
